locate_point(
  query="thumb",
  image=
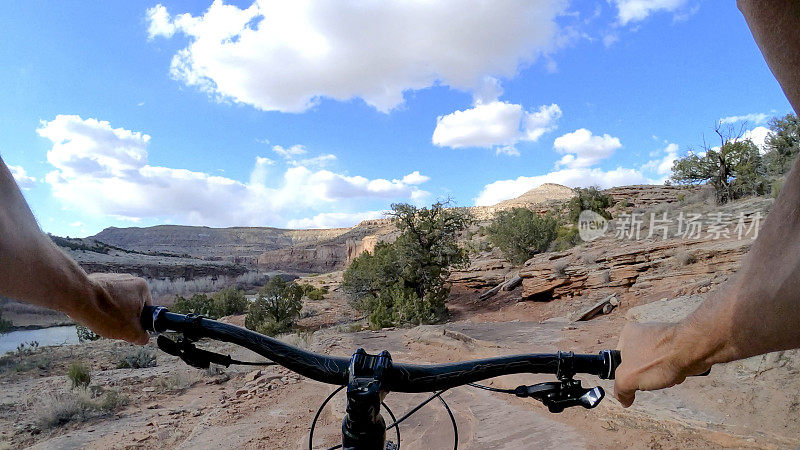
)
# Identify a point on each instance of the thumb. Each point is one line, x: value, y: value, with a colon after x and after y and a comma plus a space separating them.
x: 625, y: 396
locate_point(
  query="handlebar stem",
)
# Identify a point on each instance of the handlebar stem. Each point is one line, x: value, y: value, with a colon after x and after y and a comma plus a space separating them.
x: 363, y: 427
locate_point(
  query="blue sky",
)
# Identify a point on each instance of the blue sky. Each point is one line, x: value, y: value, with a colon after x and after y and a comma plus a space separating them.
x: 321, y: 114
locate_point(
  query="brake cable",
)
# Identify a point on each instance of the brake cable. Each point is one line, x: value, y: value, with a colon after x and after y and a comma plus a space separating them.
x: 198, y: 357
x: 492, y: 389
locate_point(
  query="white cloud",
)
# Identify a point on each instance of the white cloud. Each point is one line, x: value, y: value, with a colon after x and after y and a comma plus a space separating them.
x: 160, y: 23
x: 285, y: 56
x: 290, y: 152
x: 582, y: 149
x: 76, y: 224
x: 104, y: 171
x: 755, y: 118
x: 415, y: 178
x: 638, y: 10
x: 509, y: 150
x: 24, y: 181
x: 662, y: 166
x: 494, y: 124
x: 316, y: 161
x: 758, y: 136
x: 261, y: 171
x: 335, y: 220
x: 576, y: 177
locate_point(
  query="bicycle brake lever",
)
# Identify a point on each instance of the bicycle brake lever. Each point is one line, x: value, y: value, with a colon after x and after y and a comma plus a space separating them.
x: 558, y: 396
x: 191, y: 355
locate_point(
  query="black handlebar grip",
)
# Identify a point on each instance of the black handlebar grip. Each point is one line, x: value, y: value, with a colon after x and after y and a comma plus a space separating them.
x: 614, y: 359
x: 149, y: 316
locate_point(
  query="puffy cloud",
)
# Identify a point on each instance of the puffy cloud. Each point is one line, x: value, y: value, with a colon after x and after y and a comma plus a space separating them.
x: 159, y: 22
x: 583, y: 149
x: 638, y: 10
x: 755, y: 118
x: 285, y: 56
x: 335, y: 220
x: 415, y: 178
x: 92, y: 148
x: 104, y: 171
x: 758, y: 136
x: 494, y: 124
x: 662, y: 166
x: 575, y: 177
x: 24, y: 181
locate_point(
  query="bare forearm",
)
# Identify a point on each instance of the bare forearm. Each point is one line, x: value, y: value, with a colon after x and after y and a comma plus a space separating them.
x: 775, y: 25
x: 759, y: 310
x: 32, y: 269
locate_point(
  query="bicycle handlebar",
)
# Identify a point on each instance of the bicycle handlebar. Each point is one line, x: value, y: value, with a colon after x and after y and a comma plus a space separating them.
x: 400, y: 377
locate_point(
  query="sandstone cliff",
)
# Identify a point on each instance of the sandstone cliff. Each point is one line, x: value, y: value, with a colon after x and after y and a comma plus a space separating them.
x: 331, y: 254
x: 212, y: 243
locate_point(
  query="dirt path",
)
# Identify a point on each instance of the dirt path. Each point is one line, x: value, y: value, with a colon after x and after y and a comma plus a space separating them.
x: 274, y: 409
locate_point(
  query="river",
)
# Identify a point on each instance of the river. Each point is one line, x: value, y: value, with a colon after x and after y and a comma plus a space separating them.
x: 44, y: 336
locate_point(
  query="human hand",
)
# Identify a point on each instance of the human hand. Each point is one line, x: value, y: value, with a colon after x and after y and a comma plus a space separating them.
x: 654, y: 356
x: 119, y: 299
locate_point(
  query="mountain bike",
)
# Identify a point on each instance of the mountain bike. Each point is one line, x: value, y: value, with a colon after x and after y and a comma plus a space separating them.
x: 369, y: 378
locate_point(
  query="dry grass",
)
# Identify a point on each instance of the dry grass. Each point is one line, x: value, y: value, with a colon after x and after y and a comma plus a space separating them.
x: 302, y: 339
x: 78, y: 375
x: 137, y: 359
x: 78, y: 405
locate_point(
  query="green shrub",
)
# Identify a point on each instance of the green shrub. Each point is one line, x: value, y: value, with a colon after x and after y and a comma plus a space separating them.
x: 196, y: 304
x: 566, y: 238
x: 398, y: 305
x: 138, y: 359
x: 405, y: 281
x: 85, y: 334
x: 228, y: 302
x: 734, y: 169
x: 275, y: 308
x: 782, y: 144
x: 78, y: 375
x: 520, y: 233
x: 590, y: 199
x: 372, y: 272
x: 313, y: 293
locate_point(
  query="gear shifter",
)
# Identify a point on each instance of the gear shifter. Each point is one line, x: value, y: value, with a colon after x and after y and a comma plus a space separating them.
x: 559, y: 395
